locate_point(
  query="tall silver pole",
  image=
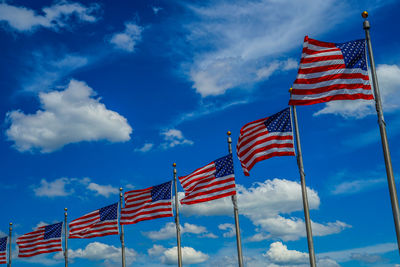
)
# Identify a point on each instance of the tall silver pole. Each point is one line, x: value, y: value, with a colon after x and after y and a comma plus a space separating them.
x: 382, y: 128
x: 122, y: 236
x: 178, y: 228
x: 236, y: 213
x: 9, y: 245
x: 311, y: 252
x: 65, y: 238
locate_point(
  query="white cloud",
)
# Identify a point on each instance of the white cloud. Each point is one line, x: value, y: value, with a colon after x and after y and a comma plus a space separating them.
x: 228, y: 226
x: 226, y: 54
x: 45, y: 68
x: 356, y: 186
x: 103, y: 190
x: 279, y: 253
x: 156, y: 9
x: 68, y: 116
x: 97, y: 251
x: 156, y: 250
x: 169, y: 231
x: 145, y: 148
x: 55, y: 17
x: 389, y: 85
x: 352, y: 254
x: 174, y: 137
x: 189, y: 256
x: 53, y: 189
x: 62, y: 187
x: 264, y: 204
x: 127, y: 39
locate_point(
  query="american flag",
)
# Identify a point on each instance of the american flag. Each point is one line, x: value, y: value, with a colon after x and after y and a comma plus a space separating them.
x: 147, y: 204
x: 265, y: 138
x: 331, y: 71
x: 213, y: 181
x: 44, y: 239
x: 97, y: 223
x: 3, y: 250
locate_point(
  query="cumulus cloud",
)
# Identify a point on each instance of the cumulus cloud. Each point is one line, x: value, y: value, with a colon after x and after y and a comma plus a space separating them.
x: 279, y: 253
x: 174, y: 137
x: 169, y: 231
x: 265, y: 204
x: 128, y: 38
x: 97, y: 251
x: 55, y: 188
x: 389, y: 84
x: 227, y: 55
x: 55, y: 17
x: 189, y: 256
x: 69, y: 116
x: 103, y: 190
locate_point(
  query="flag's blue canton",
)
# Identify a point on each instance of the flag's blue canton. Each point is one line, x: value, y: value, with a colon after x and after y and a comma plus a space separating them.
x: 279, y: 122
x: 161, y: 192
x: 3, y: 244
x: 224, y: 166
x: 53, y: 230
x: 109, y: 212
x: 354, y: 54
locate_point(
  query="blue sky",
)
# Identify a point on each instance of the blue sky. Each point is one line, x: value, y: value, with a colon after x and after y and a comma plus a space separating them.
x: 98, y: 95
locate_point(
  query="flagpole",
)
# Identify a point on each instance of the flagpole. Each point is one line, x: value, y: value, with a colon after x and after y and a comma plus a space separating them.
x: 9, y: 245
x: 382, y: 128
x: 65, y: 238
x: 236, y: 213
x: 178, y: 228
x: 122, y: 236
x: 310, y: 241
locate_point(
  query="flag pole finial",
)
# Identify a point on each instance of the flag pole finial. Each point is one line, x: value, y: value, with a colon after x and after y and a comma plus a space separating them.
x: 364, y: 14
x: 290, y: 90
x: 174, y: 164
x: 10, y: 223
x: 229, y: 133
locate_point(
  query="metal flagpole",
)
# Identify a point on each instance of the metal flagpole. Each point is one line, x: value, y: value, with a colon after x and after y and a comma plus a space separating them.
x: 311, y: 252
x: 178, y: 228
x: 236, y: 213
x: 65, y: 238
x: 382, y: 128
x: 9, y: 245
x: 122, y: 236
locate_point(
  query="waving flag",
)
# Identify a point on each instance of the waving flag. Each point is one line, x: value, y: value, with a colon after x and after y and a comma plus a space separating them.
x: 44, y: 239
x: 331, y: 71
x: 147, y: 204
x: 265, y: 138
x: 97, y: 223
x: 213, y: 181
x: 3, y: 250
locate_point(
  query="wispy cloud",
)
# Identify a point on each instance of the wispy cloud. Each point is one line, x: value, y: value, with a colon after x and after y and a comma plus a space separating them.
x: 64, y: 186
x: 227, y: 55
x: 128, y: 38
x: 356, y: 186
x: 145, y: 148
x: 174, y: 137
x: 63, y: 14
